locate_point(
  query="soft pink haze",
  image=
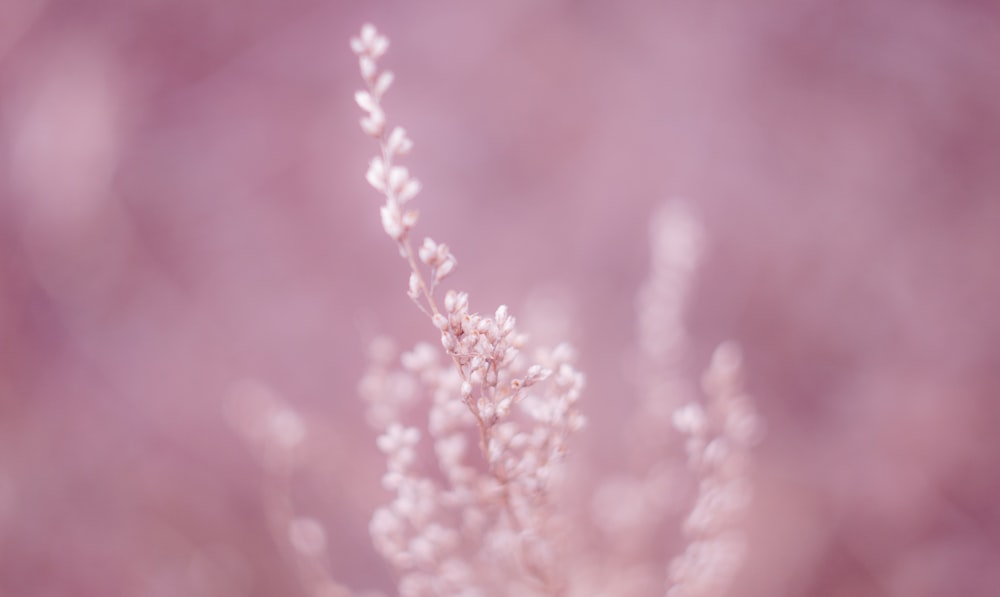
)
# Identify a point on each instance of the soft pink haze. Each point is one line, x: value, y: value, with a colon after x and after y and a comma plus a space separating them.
x: 184, y: 218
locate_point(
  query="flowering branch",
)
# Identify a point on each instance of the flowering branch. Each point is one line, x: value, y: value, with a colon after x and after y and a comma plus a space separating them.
x: 507, y: 508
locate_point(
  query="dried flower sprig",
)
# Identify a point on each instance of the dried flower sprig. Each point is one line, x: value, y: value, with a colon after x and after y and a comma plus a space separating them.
x: 486, y: 524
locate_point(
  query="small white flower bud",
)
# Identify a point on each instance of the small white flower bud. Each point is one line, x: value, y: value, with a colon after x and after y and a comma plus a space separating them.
x: 382, y: 83
x: 368, y: 35
x: 442, y: 271
x: 392, y: 220
x: 379, y: 46
x: 537, y: 373
x: 397, y: 141
x: 427, y: 252
x: 368, y: 67
x: 374, y: 123
x: 690, y: 419
x: 448, y: 342
x: 397, y: 176
x: 508, y: 325
x: 468, y: 340
x: 409, y: 190
x: 469, y: 323
x: 376, y: 174
x: 486, y: 409
x: 509, y: 355
x: 357, y: 46
x: 365, y: 101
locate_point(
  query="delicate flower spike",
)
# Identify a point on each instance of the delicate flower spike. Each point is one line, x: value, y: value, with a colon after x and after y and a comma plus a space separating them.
x: 504, y: 508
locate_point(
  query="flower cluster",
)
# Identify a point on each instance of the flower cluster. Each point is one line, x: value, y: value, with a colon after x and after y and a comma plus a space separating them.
x: 476, y: 522
x: 452, y: 529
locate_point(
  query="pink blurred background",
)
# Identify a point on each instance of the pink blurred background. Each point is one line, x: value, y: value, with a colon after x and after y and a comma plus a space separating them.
x: 182, y: 207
